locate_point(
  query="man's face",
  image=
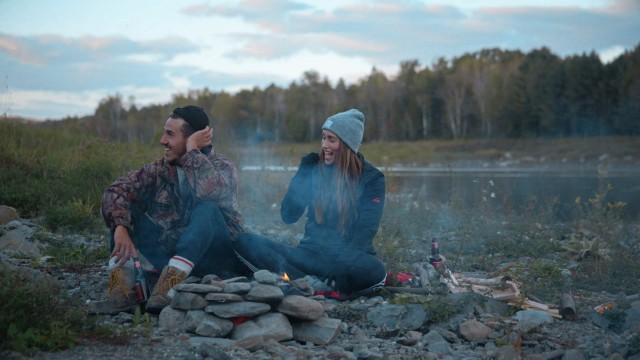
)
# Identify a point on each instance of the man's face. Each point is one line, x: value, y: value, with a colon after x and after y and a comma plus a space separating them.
x: 173, y: 140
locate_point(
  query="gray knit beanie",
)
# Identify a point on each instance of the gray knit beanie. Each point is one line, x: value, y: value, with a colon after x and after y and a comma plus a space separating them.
x: 348, y: 126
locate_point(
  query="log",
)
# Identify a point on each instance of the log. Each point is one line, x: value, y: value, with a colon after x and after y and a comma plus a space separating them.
x: 568, y: 307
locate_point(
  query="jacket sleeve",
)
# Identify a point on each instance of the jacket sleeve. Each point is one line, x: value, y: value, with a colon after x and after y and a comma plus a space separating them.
x: 207, y: 182
x: 298, y: 195
x: 118, y: 199
x: 370, y: 208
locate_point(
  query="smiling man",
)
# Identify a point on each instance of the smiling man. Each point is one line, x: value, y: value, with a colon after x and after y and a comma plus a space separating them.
x: 178, y: 213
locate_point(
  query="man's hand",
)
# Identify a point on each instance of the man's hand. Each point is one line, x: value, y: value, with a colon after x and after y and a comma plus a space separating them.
x: 199, y: 139
x: 123, y: 245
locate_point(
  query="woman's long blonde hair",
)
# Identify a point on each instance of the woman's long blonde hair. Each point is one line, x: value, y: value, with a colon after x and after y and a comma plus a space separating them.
x: 348, y: 171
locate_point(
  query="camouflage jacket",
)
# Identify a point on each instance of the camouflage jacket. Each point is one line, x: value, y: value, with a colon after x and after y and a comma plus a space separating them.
x: 154, y: 191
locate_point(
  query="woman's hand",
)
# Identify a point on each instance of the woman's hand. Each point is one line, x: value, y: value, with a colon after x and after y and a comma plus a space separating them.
x: 200, y: 139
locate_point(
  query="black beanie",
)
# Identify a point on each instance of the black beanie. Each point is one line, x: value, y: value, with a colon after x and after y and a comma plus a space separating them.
x: 193, y: 115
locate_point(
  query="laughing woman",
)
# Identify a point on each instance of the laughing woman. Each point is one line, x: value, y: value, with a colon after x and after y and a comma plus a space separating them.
x: 343, y: 196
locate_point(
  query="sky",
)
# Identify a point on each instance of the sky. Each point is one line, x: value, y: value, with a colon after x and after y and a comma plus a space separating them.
x: 60, y: 58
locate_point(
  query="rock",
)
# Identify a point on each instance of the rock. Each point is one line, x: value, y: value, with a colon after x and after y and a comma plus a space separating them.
x: 210, y: 279
x: 531, y: 319
x: 191, y: 280
x: 266, y: 277
x: 243, y: 308
x: 507, y: 352
x: 432, y: 337
x: 16, y: 242
x: 411, y: 338
x: 198, y: 288
x: 199, y: 341
x: 192, y: 319
x: 573, y: 354
x: 171, y: 319
x: 363, y: 352
x: 7, y: 214
x: 213, y: 352
x: 214, y: 327
x: 439, y: 347
x: 319, y: 332
x: 632, y: 320
x: 235, y: 279
x: 301, y: 307
x: 188, y: 301
x: 473, y: 330
x: 270, y: 326
x: 223, y: 297
x: 397, y: 317
x: 252, y: 343
x: 265, y: 293
x: 237, y: 288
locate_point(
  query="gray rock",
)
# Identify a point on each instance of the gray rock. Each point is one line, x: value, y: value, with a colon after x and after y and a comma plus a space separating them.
x: 301, y: 307
x: 214, y: 327
x: 507, y: 352
x: 266, y: 277
x: 188, y: 301
x: 432, y: 337
x: 364, y: 352
x: 410, y: 338
x: 198, y: 341
x: 473, y: 330
x: 439, y: 347
x: 243, y: 308
x: 211, y: 279
x: 269, y: 326
x: 531, y: 319
x: 251, y: 343
x: 192, y: 319
x: 171, y: 319
x: 235, y: 279
x: 191, y: 280
x: 265, y: 293
x: 237, y: 288
x: 16, y: 242
x: 632, y: 321
x: 7, y: 214
x: 573, y: 354
x: 599, y: 320
x: 223, y: 297
x: 319, y: 332
x: 397, y: 317
x: 198, y: 288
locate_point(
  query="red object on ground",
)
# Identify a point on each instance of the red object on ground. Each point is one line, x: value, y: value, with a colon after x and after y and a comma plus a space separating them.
x: 401, y: 278
x: 333, y: 294
x: 239, y: 320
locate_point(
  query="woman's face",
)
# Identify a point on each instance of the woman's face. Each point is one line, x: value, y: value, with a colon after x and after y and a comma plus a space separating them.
x: 330, y: 146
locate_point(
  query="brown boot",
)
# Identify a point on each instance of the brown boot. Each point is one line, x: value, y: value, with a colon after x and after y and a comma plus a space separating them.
x: 169, y: 278
x: 120, y: 296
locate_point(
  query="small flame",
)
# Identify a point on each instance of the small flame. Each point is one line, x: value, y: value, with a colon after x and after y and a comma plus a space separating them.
x: 285, y: 277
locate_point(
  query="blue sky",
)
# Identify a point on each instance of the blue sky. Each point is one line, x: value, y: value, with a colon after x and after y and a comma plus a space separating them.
x: 61, y: 57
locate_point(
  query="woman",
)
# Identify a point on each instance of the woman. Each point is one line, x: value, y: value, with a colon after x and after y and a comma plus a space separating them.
x: 343, y: 195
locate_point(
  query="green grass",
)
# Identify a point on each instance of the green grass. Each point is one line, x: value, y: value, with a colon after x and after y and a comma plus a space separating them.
x: 35, y: 314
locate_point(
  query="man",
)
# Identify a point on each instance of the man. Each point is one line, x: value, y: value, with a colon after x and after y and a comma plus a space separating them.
x: 180, y: 212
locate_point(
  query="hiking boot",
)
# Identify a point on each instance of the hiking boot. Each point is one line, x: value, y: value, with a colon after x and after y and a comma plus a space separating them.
x: 120, y: 296
x: 169, y: 278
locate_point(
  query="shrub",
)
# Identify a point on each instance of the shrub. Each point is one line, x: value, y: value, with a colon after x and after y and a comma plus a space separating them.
x: 35, y: 314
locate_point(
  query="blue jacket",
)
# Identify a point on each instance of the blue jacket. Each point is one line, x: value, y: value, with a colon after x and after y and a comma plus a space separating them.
x: 363, y: 222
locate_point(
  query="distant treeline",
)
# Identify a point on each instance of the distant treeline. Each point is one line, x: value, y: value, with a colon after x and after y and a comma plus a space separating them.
x: 485, y: 94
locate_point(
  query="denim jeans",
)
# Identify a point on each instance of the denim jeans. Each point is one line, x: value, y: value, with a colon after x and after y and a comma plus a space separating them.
x: 352, y: 270
x: 205, y: 241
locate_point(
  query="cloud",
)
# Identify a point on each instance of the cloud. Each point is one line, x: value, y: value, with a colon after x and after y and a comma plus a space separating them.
x: 387, y: 32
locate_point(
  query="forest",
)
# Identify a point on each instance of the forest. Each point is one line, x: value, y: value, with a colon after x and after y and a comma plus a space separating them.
x: 491, y: 93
